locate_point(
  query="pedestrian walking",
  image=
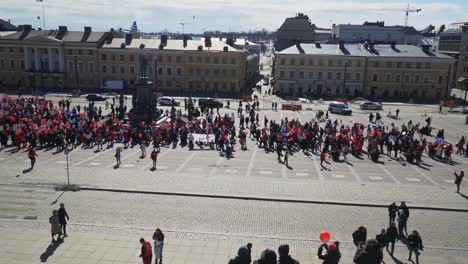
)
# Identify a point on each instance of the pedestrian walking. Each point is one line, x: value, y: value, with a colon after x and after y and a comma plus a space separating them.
x: 405, y: 209
x: 32, y: 157
x: 360, y: 236
x: 392, y: 212
x: 458, y: 179
x: 158, y: 238
x: 154, y: 158
x: 54, y: 225
x: 402, y: 222
x: 392, y: 236
x: 63, y: 218
x: 323, y: 156
x: 146, y: 251
x: 414, y: 245
x: 267, y: 256
x: 118, y: 150
x: 397, y: 112
x: 286, y: 157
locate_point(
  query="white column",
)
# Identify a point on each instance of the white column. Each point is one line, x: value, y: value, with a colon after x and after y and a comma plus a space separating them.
x: 61, y: 60
x: 51, y: 64
x: 27, y: 59
x: 36, y: 58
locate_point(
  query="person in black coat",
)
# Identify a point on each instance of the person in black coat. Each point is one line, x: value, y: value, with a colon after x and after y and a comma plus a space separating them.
x: 381, y: 238
x: 405, y: 209
x: 333, y: 254
x: 63, y: 217
x: 243, y: 256
x: 414, y: 243
x: 392, y: 212
x: 360, y: 236
x: 284, y: 257
x: 369, y: 254
x: 392, y: 236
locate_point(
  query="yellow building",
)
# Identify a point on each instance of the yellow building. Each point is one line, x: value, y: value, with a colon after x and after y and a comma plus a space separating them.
x: 372, y: 71
x: 176, y: 66
x: 46, y: 60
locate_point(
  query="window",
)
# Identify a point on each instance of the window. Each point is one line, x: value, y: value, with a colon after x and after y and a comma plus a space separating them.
x: 358, y: 76
x: 375, y: 77
x: 12, y: 64
x: 301, y: 75
x: 397, y: 78
x: 427, y: 65
x: 311, y: 62
x: 358, y: 63
x: 207, y: 59
x: 122, y: 69
x: 376, y: 64
x: 223, y: 72
x: 179, y: 71
x: 104, y: 68
x: 398, y: 65
x: 283, y: 61
x: 224, y: 60
x: 169, y: 71
x: 301, y: 62
x: 407, y: 78
x: 22, y: 65
x: 418, y: 65
x: 2, y: 64
x: 103, y: 57
x: 233, y: 73
x: 292, y: 61
x: 329, y: 76
x: 132, y: 70
x: 169, y: 58
x: 198, y: 59
x: 80, y: 52
x: 90, y: 52
x: 70, y: 66
x: 190, y: 85
x: 320, y: 63
x: 69, y: 52
x: 311, y: 75
x: 408, y: 65
x: 338, y: 75
x: 320, y: 75
x: 281, y: 74
x: 441, y: 79
x: 91, y: 67
x: 388, y: 77
x: 426, y: 80
x: 330, y: 63
x: 416, y: 78
x: 348, y: 76
x: 178, y: 59
x: 291, y: 74
x: 81, y: 67
x: 46, y: 51
x: 389, y: 64
x: 233, y: 61
x: 216, y: 60
x: 160, y: 71
x: 233, y: 86
x: 122, y: 58
x: 160, y: 58
x: 113, y: 69
x: 216, y: 72
x: 207, y: 72
x: 168, y: 83
x: 113, y: 57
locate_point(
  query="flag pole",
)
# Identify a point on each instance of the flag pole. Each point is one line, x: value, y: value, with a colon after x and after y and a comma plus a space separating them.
x: 43, y: 14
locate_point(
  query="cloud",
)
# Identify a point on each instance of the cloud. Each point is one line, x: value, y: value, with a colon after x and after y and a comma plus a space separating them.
x: 155, y: 15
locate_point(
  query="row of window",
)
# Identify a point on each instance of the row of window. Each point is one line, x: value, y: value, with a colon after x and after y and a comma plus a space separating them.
x: 170, y: 58
x: 88, y: 52
x: 81, y: 67
x: 208, y: 85
x: 169, y: 71
x: 407, y: 78
x: 348, y: 63
x: 320, y: 75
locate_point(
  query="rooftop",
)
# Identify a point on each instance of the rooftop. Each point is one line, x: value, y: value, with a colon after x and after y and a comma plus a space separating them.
x: 360, y: 50
x: 172, y: 44
x: 7, y: 26
x: 66, y: 36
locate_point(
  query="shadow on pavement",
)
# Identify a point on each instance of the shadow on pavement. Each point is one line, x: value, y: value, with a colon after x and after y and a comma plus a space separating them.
x: 50, y: 250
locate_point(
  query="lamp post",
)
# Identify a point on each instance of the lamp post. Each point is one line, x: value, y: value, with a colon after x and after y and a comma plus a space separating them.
x: 67, y: 151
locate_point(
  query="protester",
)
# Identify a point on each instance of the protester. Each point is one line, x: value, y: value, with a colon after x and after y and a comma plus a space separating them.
x: 146, y: 251
x: 243, y: 256
x: 332, y: 255
x: 360, y: 236
x: 154, y: 158
x: 117, y: 156
x: 459, y: 179
x: 63, y: 218
x: 32, y: 157
x: 392, y: 212
x: 382, y: 239
x: 284, y: 257
x: 392, y: 236
x: 369, y: 253
x: 268, y: 256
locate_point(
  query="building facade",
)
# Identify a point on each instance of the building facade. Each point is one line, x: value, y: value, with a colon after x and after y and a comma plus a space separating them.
x: 454, y: 42
x: 367, y: 70
x: 176, y: 66
x: 33, y: 60
x: 294, y: 29
x: 376, y: 32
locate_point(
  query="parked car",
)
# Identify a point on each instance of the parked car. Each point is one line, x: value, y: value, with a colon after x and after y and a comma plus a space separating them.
x: 339, y: 108
x: 370, y: 106
x: 209, y: 103
x: 95, y: 97
x: 168, y: 101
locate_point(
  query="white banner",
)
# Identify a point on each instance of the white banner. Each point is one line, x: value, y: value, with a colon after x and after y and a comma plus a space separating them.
x: 205, y: 138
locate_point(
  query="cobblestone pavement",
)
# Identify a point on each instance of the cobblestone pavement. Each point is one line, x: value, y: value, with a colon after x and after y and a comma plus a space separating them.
x: 215, y: 220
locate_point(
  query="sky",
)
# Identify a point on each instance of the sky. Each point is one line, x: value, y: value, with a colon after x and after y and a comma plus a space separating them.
x: 232, y: 15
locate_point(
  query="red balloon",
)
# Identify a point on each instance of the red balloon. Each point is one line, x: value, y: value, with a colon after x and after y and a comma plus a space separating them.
x: 140, y: 135
x: 324, y: 236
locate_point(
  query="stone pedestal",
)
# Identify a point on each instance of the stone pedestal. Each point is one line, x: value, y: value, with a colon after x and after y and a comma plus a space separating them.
x: 144, y: 102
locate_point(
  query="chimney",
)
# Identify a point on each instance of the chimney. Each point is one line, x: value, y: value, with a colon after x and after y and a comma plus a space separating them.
x: 164, y: 40
x: 393, y: 45
x: 230, y: 41
x: 220, y: 38
x: 200, y: 47
x: 317, y: 45
x: 62, y: 30
x: 25, y: 31
x: 341, y: 44
x: 371, y: 46
x: 366, y: 45
x: 87, y: 32
x: 426, y: 48
x: 20, y: 27
x: 128, y: 38
x: 225, y: 48
x: 184, y: 39
x: 208, y: 41
x: 27, y: 28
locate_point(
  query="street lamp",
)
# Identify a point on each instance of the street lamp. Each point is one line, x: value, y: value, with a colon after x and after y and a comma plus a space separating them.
x: 67, y: 151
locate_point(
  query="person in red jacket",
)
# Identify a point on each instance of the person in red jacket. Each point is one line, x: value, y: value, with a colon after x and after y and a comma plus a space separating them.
x: 154, y: 158
x: 458, y: 179
x: 146, y: 251
x: 32, y: 156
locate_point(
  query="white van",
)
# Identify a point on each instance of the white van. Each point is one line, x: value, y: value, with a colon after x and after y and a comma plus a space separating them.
x: 339, y: 108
